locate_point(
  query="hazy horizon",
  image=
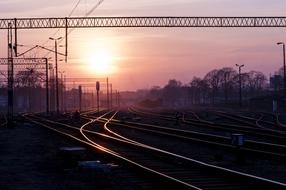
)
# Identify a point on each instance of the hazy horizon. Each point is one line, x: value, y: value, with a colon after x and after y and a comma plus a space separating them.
x: 140, y: 58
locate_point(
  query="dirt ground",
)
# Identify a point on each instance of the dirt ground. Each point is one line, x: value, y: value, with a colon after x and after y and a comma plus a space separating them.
x: 30, y: 158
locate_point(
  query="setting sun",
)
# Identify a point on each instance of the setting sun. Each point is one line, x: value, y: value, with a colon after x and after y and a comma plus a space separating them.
x: 101, y: 62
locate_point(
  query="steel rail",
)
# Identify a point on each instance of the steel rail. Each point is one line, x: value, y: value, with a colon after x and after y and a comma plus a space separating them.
x: 213, y: 140
x: 182, y: 184
x: 173, y: 154
x: 246, y: 130
x: 248, y: 176
x: 254, y: 122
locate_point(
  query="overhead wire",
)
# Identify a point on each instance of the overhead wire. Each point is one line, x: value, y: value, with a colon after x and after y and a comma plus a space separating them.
x: 86, y: 15
x: 57, y: 31
x: 74, y: 8
x: 69, y: 15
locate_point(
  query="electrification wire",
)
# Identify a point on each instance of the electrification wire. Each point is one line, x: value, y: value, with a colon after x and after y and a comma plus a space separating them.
x: 86, y: 15
x: 94, y: 7
x: 74, y: 8
x: 70, y: 14
x: 57, y: 31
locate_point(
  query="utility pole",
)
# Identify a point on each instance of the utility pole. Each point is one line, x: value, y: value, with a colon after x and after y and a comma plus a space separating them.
x: 57, y: 80
x: 47, y: 87
x: 10, y: 77
x: 240, y: 85
x: 107, y: 93
x: 65, y: 102
x: 62, y: 90
x: 111, y: 96
x: 284, y: 69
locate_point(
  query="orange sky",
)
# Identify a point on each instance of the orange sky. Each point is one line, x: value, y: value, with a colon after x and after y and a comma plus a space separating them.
x: 144, y: 57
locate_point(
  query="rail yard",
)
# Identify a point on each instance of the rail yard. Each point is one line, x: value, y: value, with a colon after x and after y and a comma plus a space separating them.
x: 185, y: 149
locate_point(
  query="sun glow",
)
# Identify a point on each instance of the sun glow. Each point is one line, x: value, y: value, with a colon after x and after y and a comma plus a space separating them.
x: 100, y: 62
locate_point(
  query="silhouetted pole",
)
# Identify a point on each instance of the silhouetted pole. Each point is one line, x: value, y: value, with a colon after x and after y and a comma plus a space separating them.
x: 47, y: 87
x: 111, y: 96
x: 97, y: 94
x: 65, y: 105
x: 284, y: 69
x: 62, y: 90
x: 57, y: 80
x: 240, y: 90
x: 10, y: 77
x: 52, y: 89
x: 117, y: 99
x: 107, y: 93
x: 79, y: 96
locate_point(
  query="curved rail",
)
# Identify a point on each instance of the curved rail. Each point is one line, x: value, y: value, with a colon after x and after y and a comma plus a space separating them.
x: 157, y: 174
x: 253, y: 179
x: 261, y: 133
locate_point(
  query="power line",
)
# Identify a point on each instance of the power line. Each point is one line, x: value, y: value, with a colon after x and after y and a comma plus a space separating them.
x: 70, y: 14
x: 74, y: 8
x: 93, y: 8
x: 86, y: 15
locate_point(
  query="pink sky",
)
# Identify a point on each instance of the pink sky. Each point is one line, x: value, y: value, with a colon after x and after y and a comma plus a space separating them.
x: 151, y: 56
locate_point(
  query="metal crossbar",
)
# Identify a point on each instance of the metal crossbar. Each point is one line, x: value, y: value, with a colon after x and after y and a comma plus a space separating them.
x: 87, y: 22
x: 24, y: 61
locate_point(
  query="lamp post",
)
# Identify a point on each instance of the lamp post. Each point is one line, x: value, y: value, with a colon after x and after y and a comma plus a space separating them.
x: 57, y: 81
x: 284, y: 69
x: 240, y: 90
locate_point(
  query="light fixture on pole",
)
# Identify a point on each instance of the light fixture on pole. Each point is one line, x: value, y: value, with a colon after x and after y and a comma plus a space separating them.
x: 284, y: 69
x: 57, y: 81
x: 240, y: 86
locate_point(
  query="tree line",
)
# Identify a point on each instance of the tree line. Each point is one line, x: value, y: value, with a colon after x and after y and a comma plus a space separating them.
x: 218, y: 86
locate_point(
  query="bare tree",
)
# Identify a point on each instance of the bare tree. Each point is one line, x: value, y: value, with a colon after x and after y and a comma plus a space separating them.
x: 256, y: 82
x: 171, y: 92
x: 226, y: 77
x: 29, y: 78
x: 212, y: 80
x: 200, y: 89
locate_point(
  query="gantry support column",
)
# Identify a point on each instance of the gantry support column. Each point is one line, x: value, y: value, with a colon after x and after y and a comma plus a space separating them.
x: 10, y: 76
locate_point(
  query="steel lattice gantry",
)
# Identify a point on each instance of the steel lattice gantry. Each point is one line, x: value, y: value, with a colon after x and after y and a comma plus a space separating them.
x: 36, y: 63
x: 97, y: 22
x: 85, y: 22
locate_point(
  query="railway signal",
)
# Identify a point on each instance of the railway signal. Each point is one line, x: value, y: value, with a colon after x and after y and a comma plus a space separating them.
x: 97, y: 94
x: 80, y: 96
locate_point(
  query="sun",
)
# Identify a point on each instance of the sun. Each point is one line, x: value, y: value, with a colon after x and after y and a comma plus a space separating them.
x: 100, y: 62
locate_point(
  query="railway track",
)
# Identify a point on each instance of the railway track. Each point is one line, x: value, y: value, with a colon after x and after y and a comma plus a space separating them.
x: 251, y: 146
x: 260, y: 148
x: 275, y: 137
x: 261, y: 122
x: 175, y: 170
